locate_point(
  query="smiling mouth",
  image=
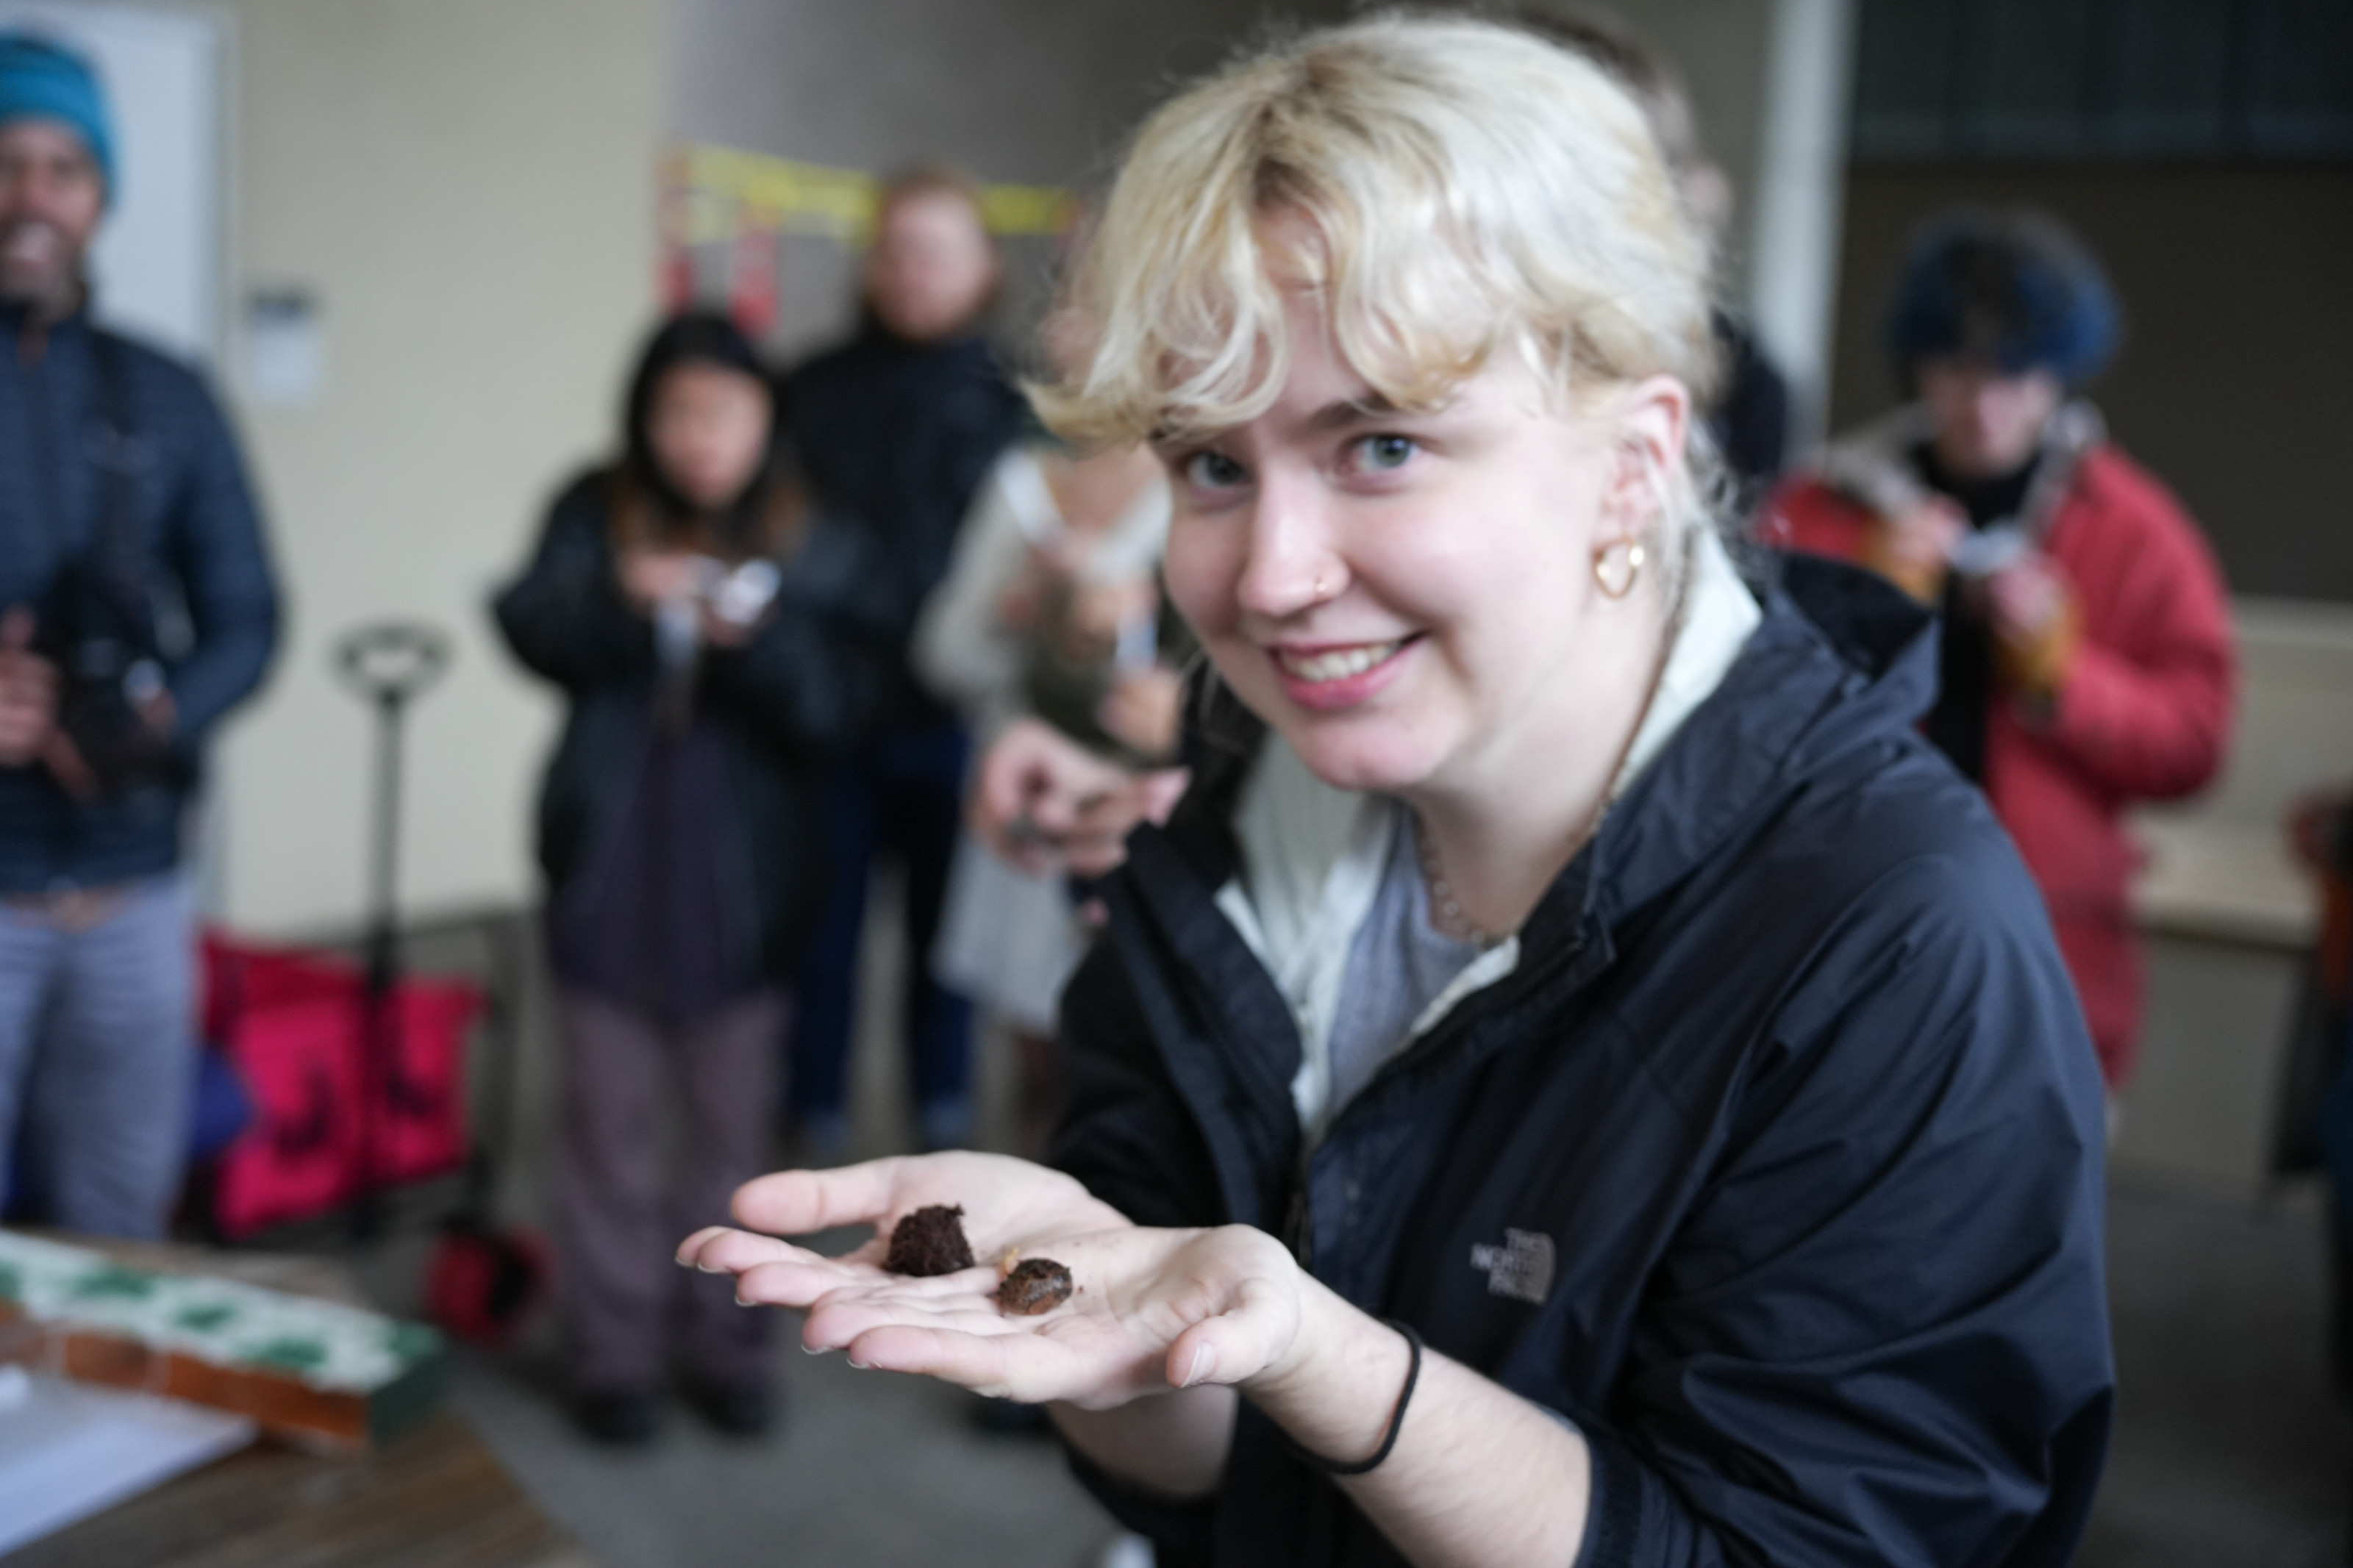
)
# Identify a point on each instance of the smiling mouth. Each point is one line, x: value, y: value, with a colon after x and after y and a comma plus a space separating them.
x: 1337, y: 663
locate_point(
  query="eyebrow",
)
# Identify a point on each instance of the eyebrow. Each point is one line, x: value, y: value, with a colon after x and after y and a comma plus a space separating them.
x: 1353, y: 411
x: 1331, y: 416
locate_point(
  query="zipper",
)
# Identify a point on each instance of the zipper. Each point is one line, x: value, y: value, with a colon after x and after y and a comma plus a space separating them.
x: 1299, y: 1222
x: 1472, y: 1010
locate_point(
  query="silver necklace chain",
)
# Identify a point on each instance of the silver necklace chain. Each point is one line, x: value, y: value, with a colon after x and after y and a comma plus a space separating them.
x: 1446, y: 909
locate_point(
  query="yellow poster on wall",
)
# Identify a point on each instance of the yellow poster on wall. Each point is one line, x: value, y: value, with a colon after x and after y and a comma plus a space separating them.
x: 715, y: 194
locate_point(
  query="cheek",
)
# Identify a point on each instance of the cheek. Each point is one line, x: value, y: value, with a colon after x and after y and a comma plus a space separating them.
x: 1203, y: 565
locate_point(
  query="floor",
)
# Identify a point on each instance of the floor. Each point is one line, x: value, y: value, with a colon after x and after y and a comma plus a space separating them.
x: 2231, y: 1450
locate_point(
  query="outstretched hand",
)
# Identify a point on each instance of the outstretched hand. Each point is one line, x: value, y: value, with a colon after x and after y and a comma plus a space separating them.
x: 1154, y: 1310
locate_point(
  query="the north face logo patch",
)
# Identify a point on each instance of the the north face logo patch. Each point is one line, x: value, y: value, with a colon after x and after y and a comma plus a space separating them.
x: 1521, y: 1268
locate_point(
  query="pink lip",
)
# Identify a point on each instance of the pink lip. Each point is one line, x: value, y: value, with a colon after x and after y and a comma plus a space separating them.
x: 1348, y: 691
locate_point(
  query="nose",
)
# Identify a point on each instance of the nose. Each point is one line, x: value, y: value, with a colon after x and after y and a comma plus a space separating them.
x: 1296, y: 561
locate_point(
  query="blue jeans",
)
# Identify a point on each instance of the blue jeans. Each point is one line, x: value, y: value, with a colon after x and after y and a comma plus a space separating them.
x: 902, y: 797
x: 98, y: 1052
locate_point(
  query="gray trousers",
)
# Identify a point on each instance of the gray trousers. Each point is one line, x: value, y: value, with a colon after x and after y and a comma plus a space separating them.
x: 620, y: 1215
x: 98, y: 1052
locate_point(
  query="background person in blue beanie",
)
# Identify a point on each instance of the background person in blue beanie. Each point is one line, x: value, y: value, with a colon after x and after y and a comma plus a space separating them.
x: 136, y: 608
x: 2088, y: 658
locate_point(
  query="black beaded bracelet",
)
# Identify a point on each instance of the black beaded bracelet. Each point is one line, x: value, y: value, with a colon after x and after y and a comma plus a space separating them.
x: 1397, y: 1417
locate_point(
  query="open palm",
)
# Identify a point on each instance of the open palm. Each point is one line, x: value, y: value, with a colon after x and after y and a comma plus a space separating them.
x: 1153, y: 1309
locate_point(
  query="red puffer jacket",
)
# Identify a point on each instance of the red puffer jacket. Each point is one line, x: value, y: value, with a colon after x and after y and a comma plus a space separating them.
x: 2144, y: 713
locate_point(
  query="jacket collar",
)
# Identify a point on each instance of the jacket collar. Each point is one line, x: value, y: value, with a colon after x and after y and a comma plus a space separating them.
x: 1872, y: 463
x: 1841, y: 660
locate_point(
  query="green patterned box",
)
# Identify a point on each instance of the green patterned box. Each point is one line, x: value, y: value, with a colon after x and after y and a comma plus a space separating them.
x: 319, y: 1373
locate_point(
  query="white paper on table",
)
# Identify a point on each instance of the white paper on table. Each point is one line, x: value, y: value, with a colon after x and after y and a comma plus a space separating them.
x: 68, y: 1450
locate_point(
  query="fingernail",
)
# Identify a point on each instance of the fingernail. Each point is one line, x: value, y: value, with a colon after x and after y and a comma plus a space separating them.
x: 1204, y: 1361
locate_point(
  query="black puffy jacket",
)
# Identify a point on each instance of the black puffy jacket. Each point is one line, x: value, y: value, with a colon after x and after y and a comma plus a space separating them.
x: 898, y: 436
x: 802, y: 687
x: 1775, y: 1166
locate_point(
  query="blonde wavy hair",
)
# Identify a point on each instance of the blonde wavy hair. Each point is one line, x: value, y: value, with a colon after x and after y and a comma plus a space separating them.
x: 1466, y: 187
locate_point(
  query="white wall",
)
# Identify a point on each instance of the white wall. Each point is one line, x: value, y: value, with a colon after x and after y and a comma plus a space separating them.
x: 467, y: 192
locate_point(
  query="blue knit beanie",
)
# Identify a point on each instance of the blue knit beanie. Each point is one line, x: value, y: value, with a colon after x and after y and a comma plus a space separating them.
x: 44, y: 79
x: 2012, y: 288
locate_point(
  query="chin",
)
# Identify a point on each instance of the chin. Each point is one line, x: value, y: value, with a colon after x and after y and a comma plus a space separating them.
x: 1373, y: 758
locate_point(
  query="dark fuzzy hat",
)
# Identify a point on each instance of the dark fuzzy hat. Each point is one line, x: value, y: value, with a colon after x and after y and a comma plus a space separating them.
x: 2013, y: 289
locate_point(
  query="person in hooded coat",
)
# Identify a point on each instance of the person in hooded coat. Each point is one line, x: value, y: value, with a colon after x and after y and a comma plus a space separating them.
x: 2088, y: 656
x: 1579, y: 1079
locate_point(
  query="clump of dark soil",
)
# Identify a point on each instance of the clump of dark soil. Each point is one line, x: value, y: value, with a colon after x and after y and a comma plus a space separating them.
x: 929, y: 1241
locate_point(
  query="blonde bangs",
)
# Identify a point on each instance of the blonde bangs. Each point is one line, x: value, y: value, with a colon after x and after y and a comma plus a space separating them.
x: 1457, y: 188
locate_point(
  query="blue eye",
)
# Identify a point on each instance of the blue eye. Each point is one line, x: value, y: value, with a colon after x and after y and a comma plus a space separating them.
x: 1382, y: 453
x: 1213, y: 471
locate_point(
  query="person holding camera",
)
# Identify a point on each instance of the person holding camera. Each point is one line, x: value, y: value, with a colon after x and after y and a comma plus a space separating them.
x: 702, y: 622
x: 136, y: 608
x: 2087, y: 657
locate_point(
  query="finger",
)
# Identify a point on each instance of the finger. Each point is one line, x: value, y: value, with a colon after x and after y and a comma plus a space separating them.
x: 1239, y: 1342
x: 1161, y: 791
x: 724, y: 1250
x: 795, y: 1203
x: 805, y: 1282
x: 1005, y: 1365
x: 16, y: 627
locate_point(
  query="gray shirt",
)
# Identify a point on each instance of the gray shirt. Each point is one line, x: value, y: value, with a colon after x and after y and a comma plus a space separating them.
x: 1397, y: 965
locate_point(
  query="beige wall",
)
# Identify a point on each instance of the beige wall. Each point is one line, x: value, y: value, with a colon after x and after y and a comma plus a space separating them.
x: 468, y: 191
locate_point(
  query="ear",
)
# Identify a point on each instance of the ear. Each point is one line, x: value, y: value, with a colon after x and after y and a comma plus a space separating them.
x: 1651, y: 420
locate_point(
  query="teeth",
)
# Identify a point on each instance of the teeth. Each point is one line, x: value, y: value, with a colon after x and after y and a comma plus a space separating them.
x: 1339, y: 663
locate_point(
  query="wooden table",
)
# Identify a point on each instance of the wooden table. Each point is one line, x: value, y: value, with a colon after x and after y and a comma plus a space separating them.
x: 435, y: 1497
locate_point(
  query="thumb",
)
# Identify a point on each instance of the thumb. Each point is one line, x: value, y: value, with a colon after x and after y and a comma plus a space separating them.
x: 1161, y: 791
x: 17, y: 624
x: 1256, y: 1328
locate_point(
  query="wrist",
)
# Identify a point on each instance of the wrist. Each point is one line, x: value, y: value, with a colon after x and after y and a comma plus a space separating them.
x: 1335, y: 1390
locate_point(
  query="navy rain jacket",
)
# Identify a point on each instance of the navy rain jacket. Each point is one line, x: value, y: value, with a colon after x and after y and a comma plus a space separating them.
x: 1775, y: 1166
x: 209, y: 569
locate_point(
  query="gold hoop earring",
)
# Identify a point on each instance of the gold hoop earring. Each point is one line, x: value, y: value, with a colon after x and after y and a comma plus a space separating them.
x: 1616, y: 567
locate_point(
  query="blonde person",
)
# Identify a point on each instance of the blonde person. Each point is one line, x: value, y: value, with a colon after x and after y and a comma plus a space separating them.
x: 1579, y: 1079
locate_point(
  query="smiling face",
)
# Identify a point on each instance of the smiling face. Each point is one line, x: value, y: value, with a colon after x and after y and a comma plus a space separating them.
x: 51, y: 199
x: 1409, y: 599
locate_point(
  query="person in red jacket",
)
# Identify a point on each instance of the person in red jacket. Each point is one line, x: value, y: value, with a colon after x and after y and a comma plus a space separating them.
x: 2088, y: 658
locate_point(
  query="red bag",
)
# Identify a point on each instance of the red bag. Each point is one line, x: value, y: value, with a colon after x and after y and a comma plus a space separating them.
x: 294, y: 1022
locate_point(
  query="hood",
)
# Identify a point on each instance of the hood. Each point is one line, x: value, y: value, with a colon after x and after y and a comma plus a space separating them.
x: 1843, y: 661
